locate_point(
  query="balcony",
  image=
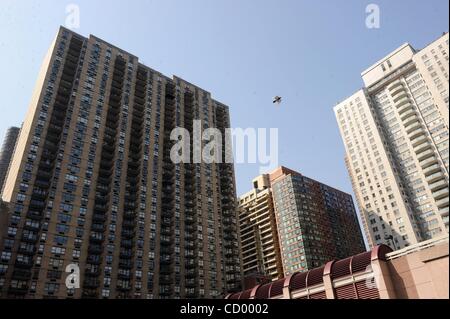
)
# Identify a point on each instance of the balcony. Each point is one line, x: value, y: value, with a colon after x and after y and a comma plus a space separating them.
x: 27, y: 249
x: 165, y: 260
x: 94, y: 259
x: 402, y: 96
x: 228, y: 228
x: 166, y: 231
x: 442, y: 202
x: 440, y: 193
x: 91, y: 283
x: 425, y: 155
x: 35, y: 215
x: 396, y: 90
x: 165, y: 241
x: 443, y: 211
x: 98, y: 227
x: 21, y: 274
x: 126, y: 253
x: 99, y: 217
x: 408, y: 114
x: 18, y: 290
x: 96, y: 239
x: 429, y: 161
x: 189, y: 245
x: 24, y: 264
x: 39, y: 194
x: 395, y: 85
x: 415, y: 133
x: 45, y: 175
x: 166, y: 269
x: 438, y: 185
x: 101, y: 208
x: 128, y: 234
x: 434, y: 177
x: 101, y: 200
x: 129, y: 224
x: 95, y: 249
x: 125, y: 263
x: 422, y: 148
x: 431, y: 170
x: 411, y: 121
x: 228, y: 244
x: 419, y: 140
x: 404, y: 107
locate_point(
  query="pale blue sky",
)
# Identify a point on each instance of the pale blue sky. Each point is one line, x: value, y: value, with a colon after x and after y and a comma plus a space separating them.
x: 244, y: 52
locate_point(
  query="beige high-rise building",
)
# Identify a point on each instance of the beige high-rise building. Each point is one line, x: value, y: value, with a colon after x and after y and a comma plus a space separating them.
x: 92, y: 184
x: 260, y: 250
x: 395, y: 132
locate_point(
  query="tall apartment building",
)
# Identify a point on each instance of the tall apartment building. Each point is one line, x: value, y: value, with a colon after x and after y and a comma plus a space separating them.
x: 314, y: 223
x: 260, y: 249
x: 92, y: 184
x: 6, y: 152
x: 395, y: 132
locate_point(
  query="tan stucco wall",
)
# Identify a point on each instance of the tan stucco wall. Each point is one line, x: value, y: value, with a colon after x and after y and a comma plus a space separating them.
x: 423, y: 274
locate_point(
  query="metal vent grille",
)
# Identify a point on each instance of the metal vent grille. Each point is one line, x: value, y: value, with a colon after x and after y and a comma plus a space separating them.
x: 361, y: 261
x: 298, y: 281
x: 277, y: 288
x: 235, y: 295
x: 367, y: 291
x: 263, y: 291
x: 346, y: 292
x: 319, y: 295
x: 246, y: 294
x: 341, y: 268
x: 315, y: 276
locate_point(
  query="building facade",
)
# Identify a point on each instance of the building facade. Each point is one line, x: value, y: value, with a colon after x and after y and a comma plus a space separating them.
x: 260, y: 249
x: 6, y: 152
x: 419, y: 271
x: 290, y: 223
x: 315, y: 222
x: 92, y: 184
x: 395, y: 132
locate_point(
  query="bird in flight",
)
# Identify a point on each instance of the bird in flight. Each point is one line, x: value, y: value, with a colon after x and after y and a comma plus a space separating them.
x: 277, y: 99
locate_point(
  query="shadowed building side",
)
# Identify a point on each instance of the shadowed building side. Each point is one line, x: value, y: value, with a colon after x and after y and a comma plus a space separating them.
x: 6, y: 153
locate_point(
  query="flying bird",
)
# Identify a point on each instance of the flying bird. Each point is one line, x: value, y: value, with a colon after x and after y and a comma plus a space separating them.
x: 277, y: 99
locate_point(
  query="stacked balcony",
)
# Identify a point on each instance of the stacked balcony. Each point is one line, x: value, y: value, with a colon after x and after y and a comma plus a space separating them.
x: 404, y: 105
x: 131, y: 200
x: 91, y: 282
x: 228, y: 208
x: 167, y: 196
x: 190, y: 216
x: 47, y: 161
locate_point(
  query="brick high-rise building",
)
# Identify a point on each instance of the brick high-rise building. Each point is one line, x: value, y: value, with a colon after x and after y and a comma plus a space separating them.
x: 395, y: 132
x: 6, y: 153
x: 315, y: 222
x: 291, y: 223
x: 92, y: 183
